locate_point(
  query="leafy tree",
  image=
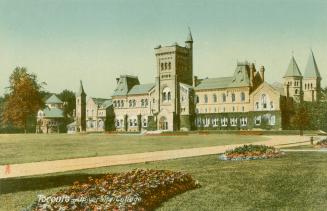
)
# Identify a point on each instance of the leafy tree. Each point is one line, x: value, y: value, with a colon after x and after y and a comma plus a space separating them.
x: 68, y: 97
x: 24, y: 98
x: 301, y: 118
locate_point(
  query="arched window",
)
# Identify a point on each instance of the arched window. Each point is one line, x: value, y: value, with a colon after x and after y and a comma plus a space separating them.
x: 169, y: 65
x: 295, y: 91
x: 196, y: 99
x: 166, y: 94
x: 224, y: 97
x: 311, y: 85
x: 142, y: 102
x: 118, y: 102
x: 214, y: 97
x: 162, y: 66
x: 305, y: 86
x: 233, y: 97
x: 122, y: 103
x: 206, y: 98
x: 134, y: 103
x: 242, y: 96
x: 165, y: 65
x: 146, y: 102
x: 130, y: 103
x: 263, y: 101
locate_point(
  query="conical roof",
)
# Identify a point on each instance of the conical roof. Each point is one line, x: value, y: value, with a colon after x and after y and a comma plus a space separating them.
x: 293, y: 69
x: 81, y: 89
x: 189, y: 37
x: 311, y: 70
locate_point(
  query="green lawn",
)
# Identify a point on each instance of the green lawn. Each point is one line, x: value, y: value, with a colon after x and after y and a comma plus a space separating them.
x: 297, y: 181
x: 21, y: 148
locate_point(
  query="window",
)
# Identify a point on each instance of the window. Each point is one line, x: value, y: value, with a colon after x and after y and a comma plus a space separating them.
x: 257, y: 120
x: 130, y: 122
x: 244, y: 121
x: 271, y: 104
x: 224, y: 122
x: 242, y: 108
x: 165, y: 66
x: 115, y: 104
x: 162, y: 66
x: 224, y: 97
x: 233, y: 97
x: 198, y: 122
x: 214, y: 97
x: 233, y: 121
x: 134, y: 103
x: 122, y: 104
x: 272, y: 120
x: 206, y: 122
x: 206, y: 98
x: 196, y: 99
x: 295, y: 91
x: 135, y: 122
x: 257, y: 105
x: 142, y: 103
x: 166, y: 95
x: 130, y: 103
x: 215, y: 122
x: 233, y: 109
x: 169, y: 65
x: 144, y: 122
x: 263, y: 101
x: 242, y: 96
x: 118, y: 104
x: 146, y: 103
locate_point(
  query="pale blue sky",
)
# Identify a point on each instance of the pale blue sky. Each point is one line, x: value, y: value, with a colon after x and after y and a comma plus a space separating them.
x: 63, y: 41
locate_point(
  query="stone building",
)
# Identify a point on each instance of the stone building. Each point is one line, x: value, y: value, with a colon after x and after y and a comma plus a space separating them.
x: 178, y: 100
x: 50, y: 119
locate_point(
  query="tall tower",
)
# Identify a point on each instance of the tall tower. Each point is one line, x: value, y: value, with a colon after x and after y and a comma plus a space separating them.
x: 293, y: 81
x: 81, y: 109
x: 174, y: 66
x: 311, y: 80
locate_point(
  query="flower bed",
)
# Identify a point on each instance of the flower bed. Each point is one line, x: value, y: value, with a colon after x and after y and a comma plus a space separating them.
x: 322, y: 143
x: 251, y: 152
x: 135, y: 190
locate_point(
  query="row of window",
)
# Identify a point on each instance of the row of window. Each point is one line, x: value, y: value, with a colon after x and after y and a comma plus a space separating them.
x: 308, y: 86
x: 223, y: 98
x: 93, y: 124
x: 132, y: 122
x: 296, y: 83
x: 165, y: 66
x: 233, y: 121
x: 264, y: 104
x: 216, y: 110
x: 131, y: 103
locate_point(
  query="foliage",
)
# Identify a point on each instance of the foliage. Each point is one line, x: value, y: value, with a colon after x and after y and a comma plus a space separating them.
x: 24, y: 98
x: 322, y: 143
x: 135, y: 190
x: 251, y: 151
x: 68, y: 97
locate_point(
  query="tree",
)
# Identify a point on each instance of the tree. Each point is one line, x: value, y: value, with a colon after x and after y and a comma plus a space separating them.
x: 301, y: 118
x: 24, y: 98
x: 68, y: 97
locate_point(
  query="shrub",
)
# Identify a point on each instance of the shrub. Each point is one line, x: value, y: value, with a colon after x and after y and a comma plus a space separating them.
x: 322, y: 143
x: 250, y: 152
x: 135, y: 190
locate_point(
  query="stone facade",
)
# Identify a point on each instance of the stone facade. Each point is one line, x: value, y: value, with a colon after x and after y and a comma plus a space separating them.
x: 177, y: 100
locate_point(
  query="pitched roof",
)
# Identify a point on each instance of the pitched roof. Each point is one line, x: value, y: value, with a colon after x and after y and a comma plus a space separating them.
x: 141, y: 89
x: 53, y: 100
x: 189, y: 37
x: 278, y: 87
x: 125, y: 84
x: 99, y: 101
x: 239, y: 79
x: 213, y: 83
x: 311, y: 70
x: 293, y: 69
x: 106, y: 103
x: 53, y: 113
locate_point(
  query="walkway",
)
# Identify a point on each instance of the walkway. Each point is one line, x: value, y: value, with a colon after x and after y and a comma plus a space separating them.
x: 47, y: 167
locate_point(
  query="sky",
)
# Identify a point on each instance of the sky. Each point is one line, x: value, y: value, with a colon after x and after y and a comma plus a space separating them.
x: 96, y: 41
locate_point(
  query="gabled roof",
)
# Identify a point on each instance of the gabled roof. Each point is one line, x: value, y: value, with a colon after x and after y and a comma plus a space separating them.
x: 125, y: 84
x: 239, y: 79
x: 293, y: 69
x: 99, y: 101
x: 141, y: 89
x: 53, y: 113
x: 278, y: 87
x: 53, y: 100
x: 106, y: 103
x: 213, y: 83
x: 311, y: 70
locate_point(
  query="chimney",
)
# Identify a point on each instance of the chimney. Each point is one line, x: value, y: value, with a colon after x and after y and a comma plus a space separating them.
x: 117, y: 80
x: 252, y: 70
x: 262, y: 73
x: 195, y: 81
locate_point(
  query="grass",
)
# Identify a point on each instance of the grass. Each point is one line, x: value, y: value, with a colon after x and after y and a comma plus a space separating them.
x: 297, y: 181
x: 21, y: 148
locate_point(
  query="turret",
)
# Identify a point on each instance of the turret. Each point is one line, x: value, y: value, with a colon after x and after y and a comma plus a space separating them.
x: 293, y: 78
x: 189, y: 40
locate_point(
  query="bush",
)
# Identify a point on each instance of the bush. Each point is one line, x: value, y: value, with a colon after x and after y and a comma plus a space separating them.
x: 251, y: 152
x: 135, y: 190
x: 322, y: 143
